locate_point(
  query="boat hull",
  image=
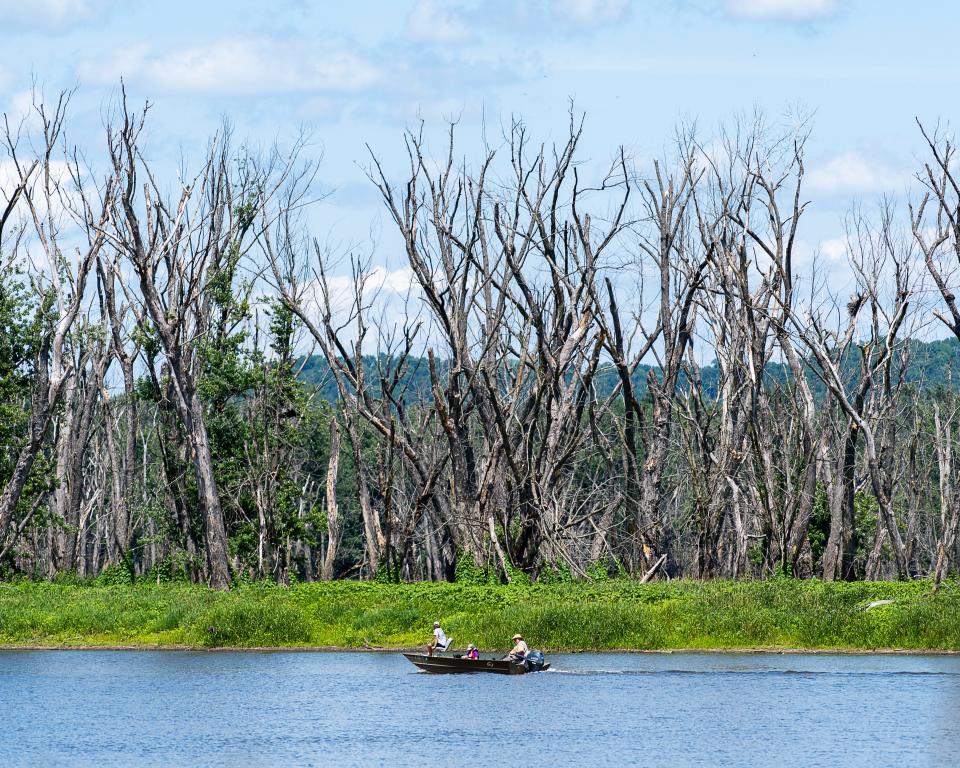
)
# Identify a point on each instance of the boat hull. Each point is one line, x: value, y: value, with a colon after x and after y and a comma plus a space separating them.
x: 451, y: 665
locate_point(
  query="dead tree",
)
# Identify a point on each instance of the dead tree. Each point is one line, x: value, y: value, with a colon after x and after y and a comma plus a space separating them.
x: 664, y: 238
x: 45, y: 193
x: 667, y: 241
x: 936, y: 229
x: 507, y: 276
x: 876, y: 257
x: 949, y: 502
x: 527, y: 361
x: 122, y: 447
x: 178, y: 249
x: 766, y: 458
x: 333, y: 516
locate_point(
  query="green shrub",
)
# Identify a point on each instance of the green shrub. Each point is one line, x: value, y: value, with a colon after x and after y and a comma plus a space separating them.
x: 115, y: 575
x: 468, y: 572
x: 68, y: 578
x: 243, y: 624
x: 574, y: 615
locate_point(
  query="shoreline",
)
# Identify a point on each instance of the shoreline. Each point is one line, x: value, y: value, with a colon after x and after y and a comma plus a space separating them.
x: 407, y: 649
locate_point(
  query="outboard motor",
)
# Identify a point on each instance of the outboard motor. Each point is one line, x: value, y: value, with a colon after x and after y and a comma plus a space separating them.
x: 533, y: 661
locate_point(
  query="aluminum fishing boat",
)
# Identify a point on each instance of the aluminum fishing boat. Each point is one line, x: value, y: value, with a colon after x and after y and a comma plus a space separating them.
x: 461, y: 664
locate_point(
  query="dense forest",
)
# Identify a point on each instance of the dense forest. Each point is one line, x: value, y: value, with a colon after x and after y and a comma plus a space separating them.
x: 592, y: 372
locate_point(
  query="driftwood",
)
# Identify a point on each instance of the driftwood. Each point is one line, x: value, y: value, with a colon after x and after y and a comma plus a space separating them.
x: 653, y: 570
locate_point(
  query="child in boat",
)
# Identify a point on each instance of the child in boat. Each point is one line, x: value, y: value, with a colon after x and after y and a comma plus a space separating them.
x: 472, y: 652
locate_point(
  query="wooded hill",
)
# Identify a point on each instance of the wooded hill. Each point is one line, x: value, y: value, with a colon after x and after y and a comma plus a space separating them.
x: 929, y: 364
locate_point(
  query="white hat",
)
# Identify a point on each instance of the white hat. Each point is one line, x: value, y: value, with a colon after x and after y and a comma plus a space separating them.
x: 436, y: 623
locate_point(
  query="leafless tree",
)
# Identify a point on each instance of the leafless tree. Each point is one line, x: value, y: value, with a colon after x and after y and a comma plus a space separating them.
x: 51, y: 192
x: 936, y: 228
x: 876, y: 255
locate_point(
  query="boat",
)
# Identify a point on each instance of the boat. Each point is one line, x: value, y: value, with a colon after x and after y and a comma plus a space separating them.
x: 463, y: 665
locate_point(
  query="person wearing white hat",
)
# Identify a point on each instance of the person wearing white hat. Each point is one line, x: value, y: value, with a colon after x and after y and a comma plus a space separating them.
x: 519, y: 649
x: 439, y: 642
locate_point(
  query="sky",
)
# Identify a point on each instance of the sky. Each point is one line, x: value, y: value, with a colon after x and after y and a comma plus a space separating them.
x: 358, y: 73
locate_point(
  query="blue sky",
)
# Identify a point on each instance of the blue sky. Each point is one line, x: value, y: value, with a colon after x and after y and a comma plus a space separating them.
x: 363, y: 71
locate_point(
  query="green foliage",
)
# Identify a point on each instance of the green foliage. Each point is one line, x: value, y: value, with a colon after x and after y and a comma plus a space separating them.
x: 516, y: 576
x: 249, y: 622
x: 931, y: 364
x: 172, y: 569
x: 604, y: 569
x: 555, y: 573
x: 777, y: 613
x: 68, y: 579
x: 117, y: 575
x: 819, y: 530
x: 24, y: 320
x: 866, y: 509
x: 468, y: 572
x: 388, y: 574
x: 598, y: 570
x: 866, y: 512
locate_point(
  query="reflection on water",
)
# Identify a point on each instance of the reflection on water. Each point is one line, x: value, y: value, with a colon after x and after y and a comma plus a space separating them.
x: 115, y: 708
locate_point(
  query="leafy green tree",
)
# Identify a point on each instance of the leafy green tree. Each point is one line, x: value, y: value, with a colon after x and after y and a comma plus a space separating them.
x: 21, y: 321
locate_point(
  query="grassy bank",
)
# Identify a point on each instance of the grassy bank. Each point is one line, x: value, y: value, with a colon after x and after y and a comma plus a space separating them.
x: 579, y: 616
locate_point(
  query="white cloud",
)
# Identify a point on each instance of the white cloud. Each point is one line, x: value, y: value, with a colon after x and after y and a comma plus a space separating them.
x: 783, y: 10
x: 427, y: 22
x: 385, y: 294
x: 391, y: 280
x: 834, y: 249
x: 61, y: 210
x: 50, y: 14
x: 239, y: 66
x: 21, y: 111
x: 851, y: 173
x: 64, y: 195
x: 378, y: 281
x: 21, y: 103
x: 592, y: 13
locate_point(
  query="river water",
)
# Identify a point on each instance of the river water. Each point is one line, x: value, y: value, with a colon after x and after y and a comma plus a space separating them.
x: 171, y: 708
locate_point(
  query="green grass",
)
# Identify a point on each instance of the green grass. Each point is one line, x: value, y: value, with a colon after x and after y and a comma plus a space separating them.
x: 570, y: 616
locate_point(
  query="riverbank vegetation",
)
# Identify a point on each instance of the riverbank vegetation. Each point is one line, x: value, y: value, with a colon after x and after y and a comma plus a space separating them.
x: 575, y: 369
x: 602, y: 615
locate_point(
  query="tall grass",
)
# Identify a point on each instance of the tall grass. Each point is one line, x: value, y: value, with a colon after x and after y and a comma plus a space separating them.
x: 569, y: 616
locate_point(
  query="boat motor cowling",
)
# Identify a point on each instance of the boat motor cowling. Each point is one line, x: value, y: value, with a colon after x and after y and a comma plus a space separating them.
x: 533, y: 661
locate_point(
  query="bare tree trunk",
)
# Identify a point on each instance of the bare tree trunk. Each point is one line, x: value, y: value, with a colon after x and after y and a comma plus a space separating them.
x: 333, y: 515
x: 949, y: 509
x: 215, y: 532
x: 36, y: 431
x: 838, y: 556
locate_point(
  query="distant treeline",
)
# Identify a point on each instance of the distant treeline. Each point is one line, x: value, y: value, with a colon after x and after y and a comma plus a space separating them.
x: 929, y: 365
